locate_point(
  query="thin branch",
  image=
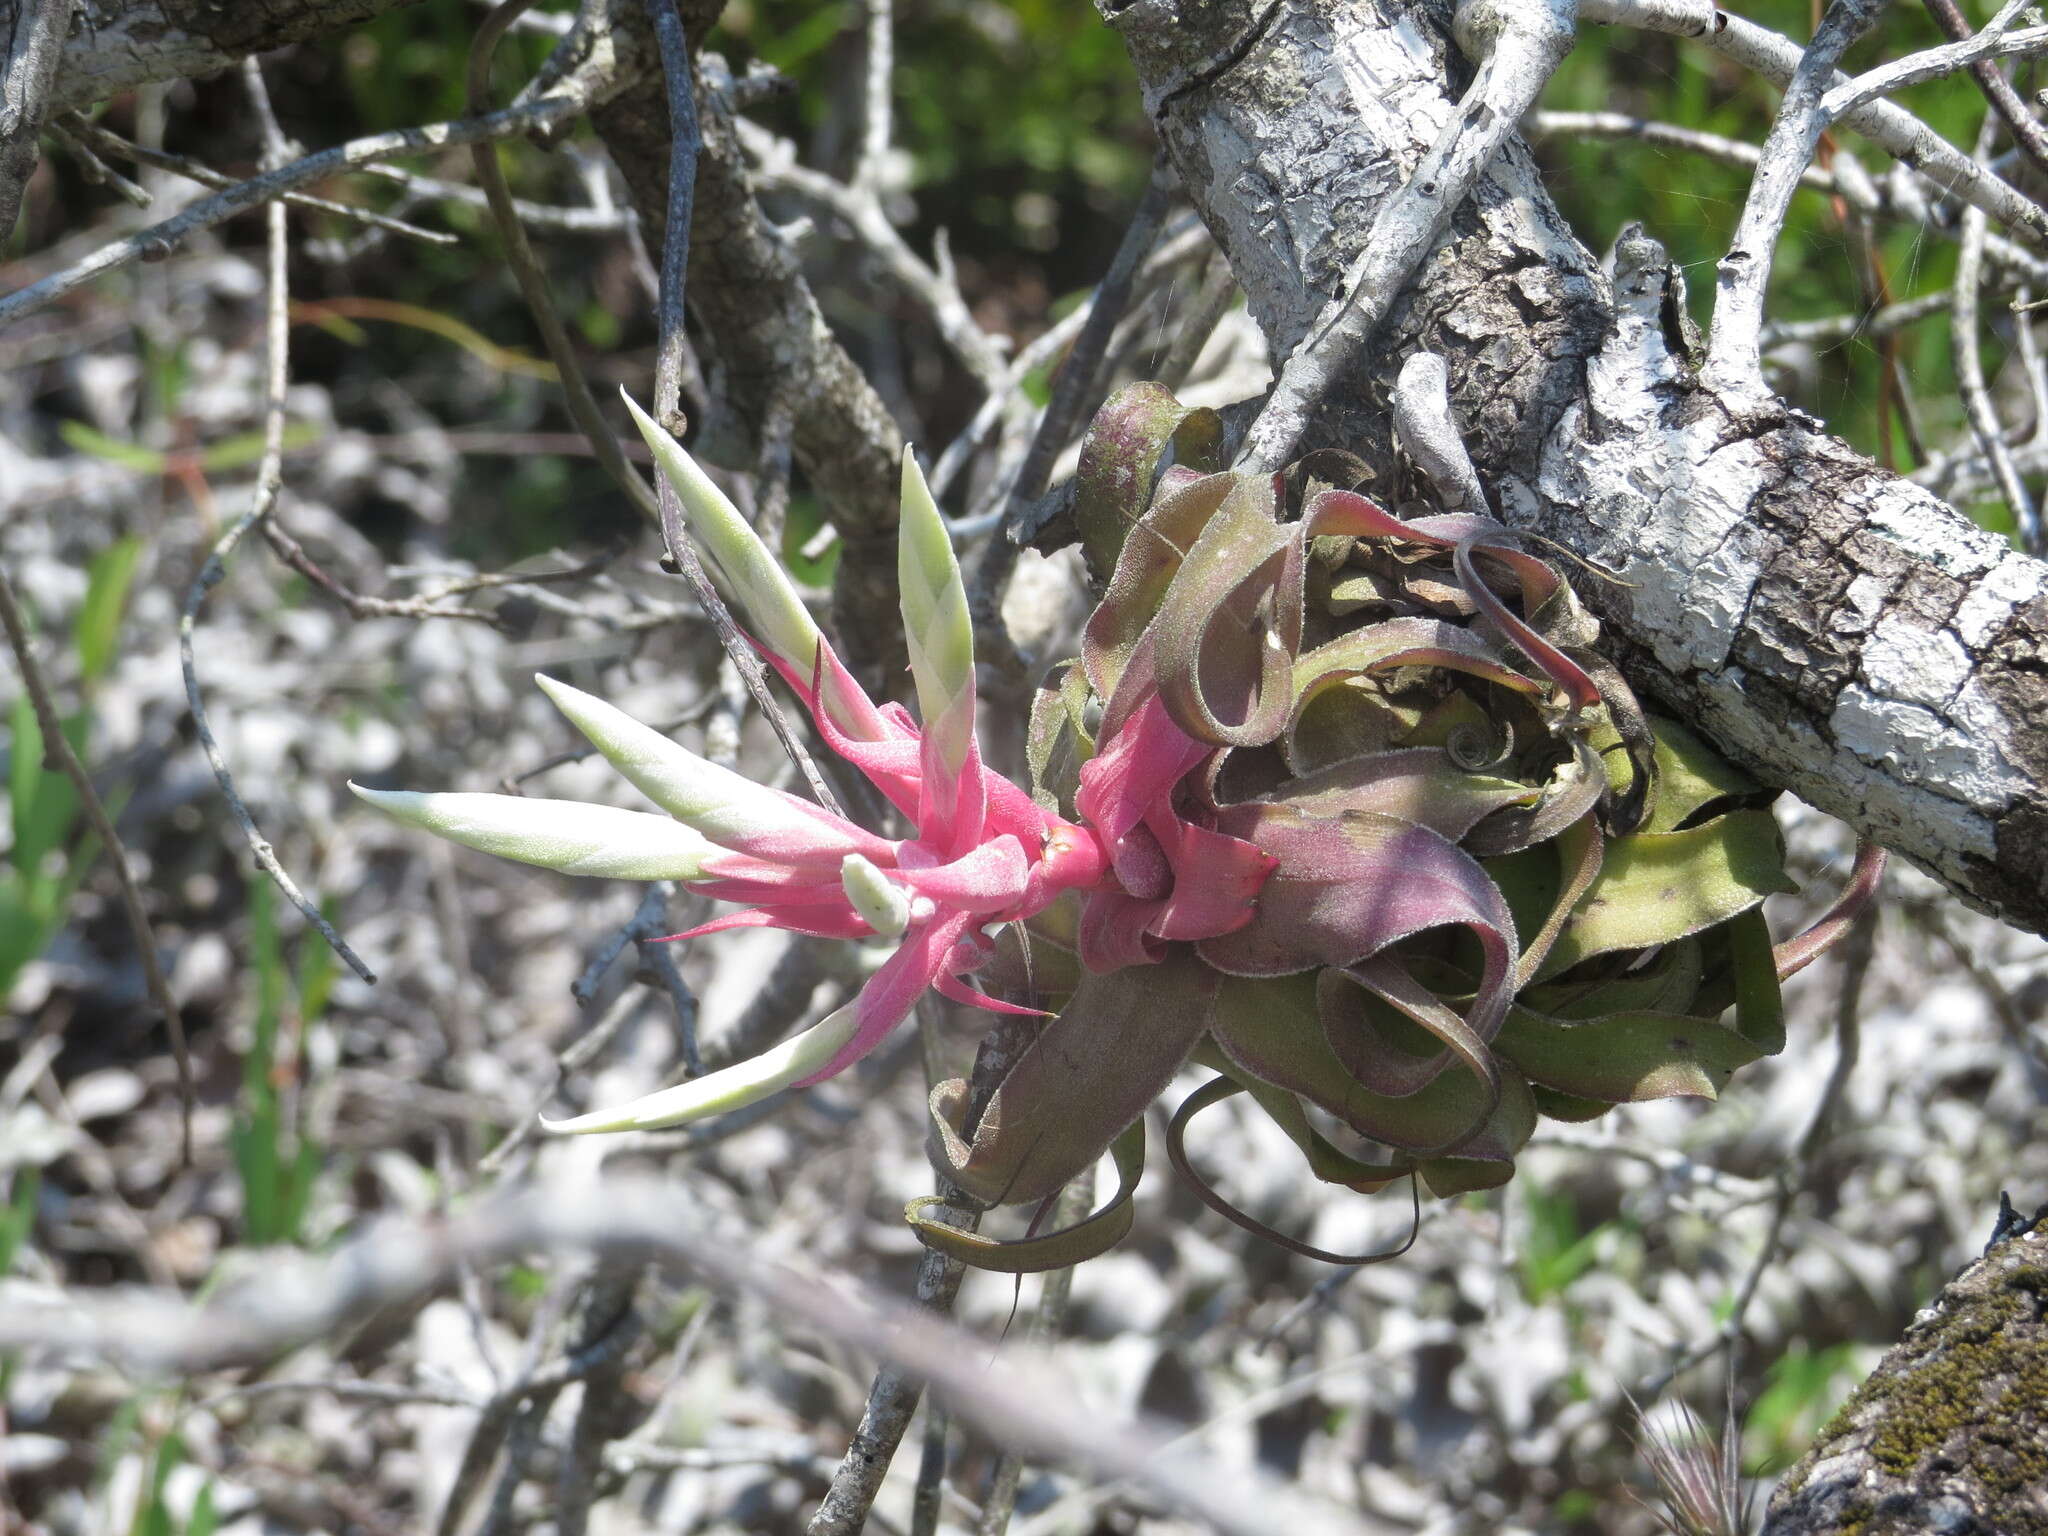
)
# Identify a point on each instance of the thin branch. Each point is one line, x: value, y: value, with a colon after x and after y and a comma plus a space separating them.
x: 1886, y: 124
x: 1075, y: 392
x: 859, y: 206
x: 269, y: 481
x: 1522, y: 46
x: 2027, y: 134
x: 876, y: 127
x: 93, y: 136
x: 1214, y: 296
x: 892, y: 1399
x: 527, y: 273
x: 1856, y: 954
x: 593, y: 220
x: 1423, y: 425
x: 57, y: 750
x: 1735, y: 345
x: 1969, y: 364
x: 159, y: 241
x: 686, y: 143
x: 1933, y: 63
x: 1075, y: 1202
x: 1013, y: 1401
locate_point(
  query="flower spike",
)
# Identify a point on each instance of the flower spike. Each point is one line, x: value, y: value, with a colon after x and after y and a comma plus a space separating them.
x: 567, y: 835
x: 781, y: 622
x: 747, y: 1082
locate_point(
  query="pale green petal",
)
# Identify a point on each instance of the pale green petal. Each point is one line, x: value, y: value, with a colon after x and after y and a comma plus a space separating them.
x: 726, y: 807
x: 883, y: 905
x: 936, y: 622
x: 773, y: 610
x: 567, y: 835
x: 734, y: 1088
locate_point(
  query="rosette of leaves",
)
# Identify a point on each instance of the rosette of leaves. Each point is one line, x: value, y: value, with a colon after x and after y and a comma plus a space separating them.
x: 1500, y: 891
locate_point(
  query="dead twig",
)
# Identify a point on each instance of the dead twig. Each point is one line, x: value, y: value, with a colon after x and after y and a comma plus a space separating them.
x: 269, y: 481
x: 57, y: 752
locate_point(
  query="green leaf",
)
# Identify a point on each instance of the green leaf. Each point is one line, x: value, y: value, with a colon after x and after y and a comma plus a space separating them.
x: 98, y: 625
x: 1625, y: 1057
x: 18, y: 1216
x: 1090, y: 1073
x: 1655, y: 887
x: 92, y: 441
x: 1096, y: 1234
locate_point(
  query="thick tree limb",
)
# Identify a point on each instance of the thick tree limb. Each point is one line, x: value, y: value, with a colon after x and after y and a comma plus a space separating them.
x: 1836, y: 629
x: 34, y: 33
x: 1949, y: 1433
x: 126, y: 43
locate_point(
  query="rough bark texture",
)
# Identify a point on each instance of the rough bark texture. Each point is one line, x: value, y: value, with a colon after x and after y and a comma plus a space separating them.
x: 778, y: 355
x: 34, y: 35
x: 116, y: 45
x: 1950, y: 1433
x: 1836, y: 629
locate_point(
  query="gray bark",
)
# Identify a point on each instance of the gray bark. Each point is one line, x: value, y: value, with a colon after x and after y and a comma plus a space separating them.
x: 1838, y: 630
x: 35, y: 38
x: 120, y: 44
x: 1950, y: 1433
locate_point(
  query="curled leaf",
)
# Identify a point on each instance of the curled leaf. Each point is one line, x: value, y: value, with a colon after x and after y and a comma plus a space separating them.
x: 1095, y: 1234
x: 1120, y: 456
x: 1176, y: 1150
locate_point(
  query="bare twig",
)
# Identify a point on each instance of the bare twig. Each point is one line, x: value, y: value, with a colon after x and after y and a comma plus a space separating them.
x: 57, y: 750
x: 876, y: 126
x: 1423, y: 425
x: 1886, y: 124
x: 1075, y: 393
x: 859, y: 206
x: 1969, y: 364
x: 92, y: 135
x: 1735, y: 345
x: 685, y: 144
x: 159, y: 241
x: 1017, y: 1402
x: 2027, y: 134
x: 893, y: 1397
x: 1856, y: 954
x: 269, y: 481
x: 1214, y: 295
x: 1994, y: 42
x: 532, y: 282
x: 1519, y: 47
x: 1075, y: 1202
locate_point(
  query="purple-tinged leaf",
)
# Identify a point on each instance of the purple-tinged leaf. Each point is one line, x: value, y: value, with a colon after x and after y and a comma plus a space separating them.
x: 1119, y: 457
x: 1089, y: 1074
x: 1145, y: 569
x: 1230, y: 626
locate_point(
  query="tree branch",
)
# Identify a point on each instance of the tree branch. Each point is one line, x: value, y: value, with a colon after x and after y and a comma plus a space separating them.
x: 1835, y: 629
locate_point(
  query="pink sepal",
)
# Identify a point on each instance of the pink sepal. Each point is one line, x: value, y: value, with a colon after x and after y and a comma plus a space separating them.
x: 893, y: 991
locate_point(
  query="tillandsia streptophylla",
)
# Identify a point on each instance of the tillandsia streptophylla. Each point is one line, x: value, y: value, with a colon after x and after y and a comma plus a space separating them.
x: 983, y: 853
x: 1342, y: 805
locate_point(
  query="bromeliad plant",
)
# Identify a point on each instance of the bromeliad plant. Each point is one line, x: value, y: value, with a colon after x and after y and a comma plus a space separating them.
x: 1343, y: 806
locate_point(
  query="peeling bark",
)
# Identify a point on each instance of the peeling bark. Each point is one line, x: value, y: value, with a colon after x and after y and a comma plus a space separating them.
x: 1950, y: 1433
x: 1837, y: 630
